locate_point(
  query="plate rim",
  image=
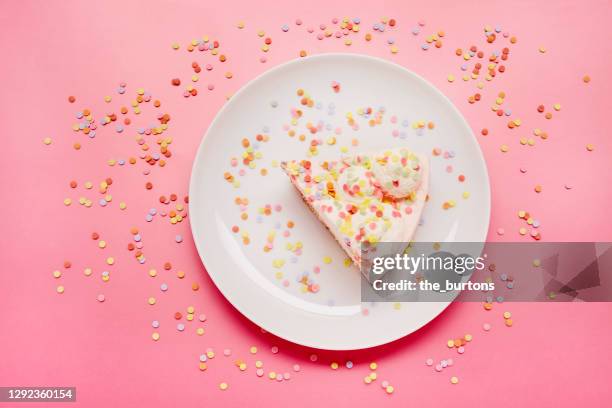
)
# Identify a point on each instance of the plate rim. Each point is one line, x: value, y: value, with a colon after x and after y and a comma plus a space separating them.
x: 202, y: 146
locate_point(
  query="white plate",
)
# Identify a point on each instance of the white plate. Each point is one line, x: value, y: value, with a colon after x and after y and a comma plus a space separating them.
x: 332, y: 318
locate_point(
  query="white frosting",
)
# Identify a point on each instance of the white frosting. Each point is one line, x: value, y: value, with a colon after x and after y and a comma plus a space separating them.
x: 399, y: 173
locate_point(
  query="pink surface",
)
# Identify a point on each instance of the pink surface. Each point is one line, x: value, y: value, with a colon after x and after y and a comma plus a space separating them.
x: 555, y: 354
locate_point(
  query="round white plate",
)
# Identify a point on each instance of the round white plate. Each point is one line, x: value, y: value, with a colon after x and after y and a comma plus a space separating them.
x: 265, y: 286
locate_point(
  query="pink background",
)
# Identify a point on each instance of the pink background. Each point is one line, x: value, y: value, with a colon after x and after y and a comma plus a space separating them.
x: 554, y: 355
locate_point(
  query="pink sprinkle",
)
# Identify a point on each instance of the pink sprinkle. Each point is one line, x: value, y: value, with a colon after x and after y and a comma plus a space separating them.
x: 101, y: 298
x: 296, y: 367
x: 385, y: 384
x: 313, y: 358
x: 274, y: 349
x: 429, y: 362
x: 286, y: 283
x: 259, y: 372
x: 500, y: 231
x: 461, y: 350
x: 438, y: 368
x: 486, y: 327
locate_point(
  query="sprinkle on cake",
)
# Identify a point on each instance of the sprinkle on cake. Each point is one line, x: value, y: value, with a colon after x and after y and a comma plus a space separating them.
x: 366, y: 198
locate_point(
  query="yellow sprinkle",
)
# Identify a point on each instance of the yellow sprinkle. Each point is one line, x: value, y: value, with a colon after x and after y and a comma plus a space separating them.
x: 60, y: 289
x: 590, y: 147
x: 155, y: 336
x: 122, y: 205
x: 87, y: 271
x: 542, y: 50
x: 450, y: 344
x: 110, y: 260
x: 389, y: 389
x: 253, y: 350
x: 271, y: 375
x: 334, y: 366
x: 367, y: 379
x: 557, y: 106
x: 152, y: 301
x: 200, y: 331
x: 67, y: 201
x: 450, y: 78
x: 223, y: 386
x: 102, y: 244
x: 203, y: 366
x: 509, y: 322
x: 47, y: 141
x: 536, y: 263
x: 373, y: 366
x: 327, y: 259
x: 57, y: 274
x: 504, y: 148
x: 454, y: 380
x: 373, y: 376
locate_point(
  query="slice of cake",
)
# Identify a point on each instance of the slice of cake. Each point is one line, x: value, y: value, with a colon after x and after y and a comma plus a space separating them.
x: 366, y: 198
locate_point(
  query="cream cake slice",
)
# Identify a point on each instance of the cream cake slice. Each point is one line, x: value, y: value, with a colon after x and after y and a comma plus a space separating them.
x: 366, y: 198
